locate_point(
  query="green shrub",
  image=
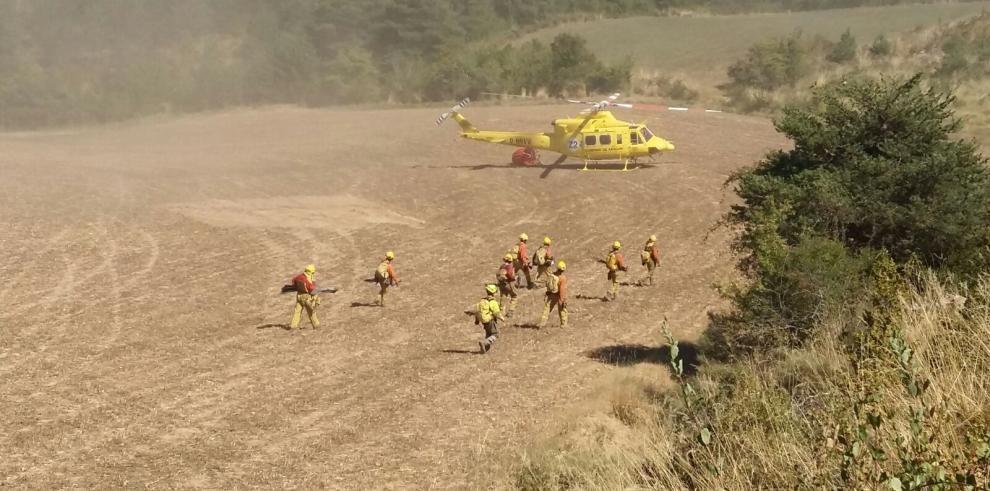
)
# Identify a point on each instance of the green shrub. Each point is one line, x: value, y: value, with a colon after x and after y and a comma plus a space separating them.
x: 881, y: 47
x: 954, y: 59
x: 875, y: 165
x: 794, y: 287
x: 845, y: 50
x: 771, y: 65
x: 612, y: 78
x: 674, y: 90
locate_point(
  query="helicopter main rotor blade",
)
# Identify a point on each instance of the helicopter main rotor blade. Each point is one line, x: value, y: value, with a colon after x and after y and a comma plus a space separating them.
x: 560, y: 160
x: 582, y: 125
x: 654, y: 107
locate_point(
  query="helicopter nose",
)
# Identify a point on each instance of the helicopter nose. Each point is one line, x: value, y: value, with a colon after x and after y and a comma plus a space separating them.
x: 660, y: 145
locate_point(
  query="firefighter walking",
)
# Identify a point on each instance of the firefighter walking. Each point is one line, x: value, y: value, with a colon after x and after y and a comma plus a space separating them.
x: 488, y: 315
x: 556, y: 296
x: 305, y: 299
x: 543, y: 259
x: 650, y: 256
x: 506, y: 277
x: 385, y: 277
x: 522, y: 263
x: 615, y: 263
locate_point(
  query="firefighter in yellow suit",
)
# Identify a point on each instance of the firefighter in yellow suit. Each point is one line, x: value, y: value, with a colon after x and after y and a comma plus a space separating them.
x: 488, y: 315
x: 305, y: 300
x: 506, y: 277
x: 385, y: 277
x: 615, y: 263
x: 556, y: 295
x: 650, y: 257
x: 543, y: 260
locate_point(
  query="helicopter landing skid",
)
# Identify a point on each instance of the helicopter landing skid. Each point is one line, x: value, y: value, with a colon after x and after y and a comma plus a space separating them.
x: 625, y: 165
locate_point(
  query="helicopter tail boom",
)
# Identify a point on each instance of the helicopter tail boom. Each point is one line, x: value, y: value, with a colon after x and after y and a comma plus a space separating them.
x: 466, y: 126
x: 540, y: 141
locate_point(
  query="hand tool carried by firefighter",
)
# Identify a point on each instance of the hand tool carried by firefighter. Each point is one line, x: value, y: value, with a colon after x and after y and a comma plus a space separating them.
x: 292, y: 289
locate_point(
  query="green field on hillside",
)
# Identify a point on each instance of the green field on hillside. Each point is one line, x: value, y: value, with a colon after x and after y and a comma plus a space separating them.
x: 700, y: 48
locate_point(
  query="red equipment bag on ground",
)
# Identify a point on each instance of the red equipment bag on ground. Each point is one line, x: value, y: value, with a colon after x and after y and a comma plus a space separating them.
x: 524, y: 156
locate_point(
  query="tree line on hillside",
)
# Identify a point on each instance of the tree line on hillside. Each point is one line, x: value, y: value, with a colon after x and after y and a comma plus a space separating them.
x: 778, y: 71
x: 66, y: 61
x: 72, y: 60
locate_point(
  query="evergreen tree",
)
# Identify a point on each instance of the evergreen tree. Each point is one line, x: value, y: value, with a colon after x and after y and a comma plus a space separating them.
x: 875, y: 165
x: 845, y: 50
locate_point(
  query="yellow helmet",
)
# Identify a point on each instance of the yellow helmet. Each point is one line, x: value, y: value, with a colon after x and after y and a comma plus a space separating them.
x: 389, y: 255
x: 561, y: 265
x: 523, y: 237
x: 507, y: 258
x: 310, y: 268
x: 616, y: 245
x: 492, y: 289
x: 653, y: 238
x: 546, y: 240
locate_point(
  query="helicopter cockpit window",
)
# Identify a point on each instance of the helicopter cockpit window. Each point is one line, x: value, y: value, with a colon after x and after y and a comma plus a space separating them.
x: 589, y: 140
x: 605, y: 139
x: 646, y: 133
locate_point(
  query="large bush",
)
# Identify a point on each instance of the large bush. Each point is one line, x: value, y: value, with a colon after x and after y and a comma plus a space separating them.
x: 845, y: 50
x: 874, y: 167
x: 875, y: 164
x: 771, y: 65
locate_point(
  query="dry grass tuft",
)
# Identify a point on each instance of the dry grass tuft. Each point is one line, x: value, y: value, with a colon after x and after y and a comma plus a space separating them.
x: 783, y: 423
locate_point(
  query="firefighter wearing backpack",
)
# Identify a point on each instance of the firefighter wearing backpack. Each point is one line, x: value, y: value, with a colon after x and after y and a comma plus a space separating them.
x: 521, y: 263
x: 615, y: 263
x: 305, y: 300
x: 556, y: 295
x: 543, y: 259
x: 506, y: 277
x: 385, y: 277
x: 488, y: 315
x: 650, y: 256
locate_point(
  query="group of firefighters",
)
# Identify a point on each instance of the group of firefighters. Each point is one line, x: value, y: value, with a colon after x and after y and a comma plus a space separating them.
x: 516, y: 267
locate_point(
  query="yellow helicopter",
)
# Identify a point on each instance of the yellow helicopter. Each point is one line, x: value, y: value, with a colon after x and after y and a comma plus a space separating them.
x: 597, y: 136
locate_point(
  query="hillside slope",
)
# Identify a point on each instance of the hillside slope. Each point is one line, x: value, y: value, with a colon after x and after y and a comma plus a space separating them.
x: 141, y: 343
x: 699, y: 49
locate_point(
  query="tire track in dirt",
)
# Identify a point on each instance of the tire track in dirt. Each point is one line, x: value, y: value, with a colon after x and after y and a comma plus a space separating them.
x: 51, y: 304
x: 189, y: 393
x: 14, y: 283
x: 201, y: 401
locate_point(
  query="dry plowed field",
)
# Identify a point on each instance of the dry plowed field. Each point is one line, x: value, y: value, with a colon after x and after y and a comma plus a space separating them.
x: 141, y: 338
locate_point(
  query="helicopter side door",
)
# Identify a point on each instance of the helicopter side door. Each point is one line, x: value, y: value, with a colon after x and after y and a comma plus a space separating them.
x: 637, y: 142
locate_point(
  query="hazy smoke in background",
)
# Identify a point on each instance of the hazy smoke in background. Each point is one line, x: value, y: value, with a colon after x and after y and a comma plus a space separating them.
x: 68, y: 61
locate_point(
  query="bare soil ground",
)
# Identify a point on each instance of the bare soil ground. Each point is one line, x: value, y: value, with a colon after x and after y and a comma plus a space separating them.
x: 140, y: 321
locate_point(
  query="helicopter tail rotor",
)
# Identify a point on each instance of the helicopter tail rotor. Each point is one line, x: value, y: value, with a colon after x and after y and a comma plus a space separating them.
x: 457, y: 107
